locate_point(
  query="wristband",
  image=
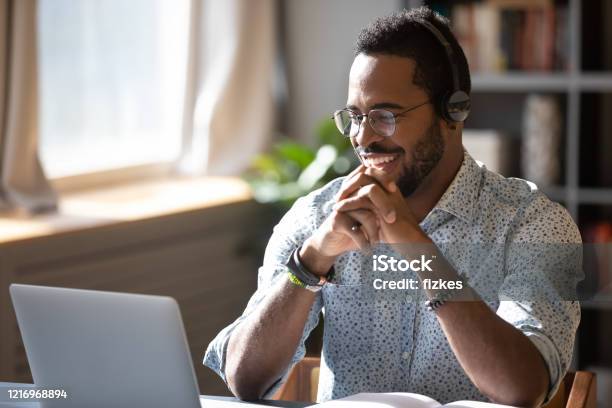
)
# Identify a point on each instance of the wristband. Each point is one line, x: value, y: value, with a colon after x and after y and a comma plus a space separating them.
x: 297, y: 282
x: 302, y: 274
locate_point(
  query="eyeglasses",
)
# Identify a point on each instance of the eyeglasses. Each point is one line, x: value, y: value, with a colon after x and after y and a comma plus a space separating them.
x: 381, y: 121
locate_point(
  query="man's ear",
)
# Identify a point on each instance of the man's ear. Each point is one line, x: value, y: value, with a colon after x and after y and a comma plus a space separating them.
x: 449, y: 128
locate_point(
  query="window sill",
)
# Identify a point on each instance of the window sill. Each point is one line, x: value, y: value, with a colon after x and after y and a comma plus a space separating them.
x: 125, y: 203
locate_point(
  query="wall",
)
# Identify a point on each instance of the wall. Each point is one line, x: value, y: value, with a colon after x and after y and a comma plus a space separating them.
x: 320, y: 35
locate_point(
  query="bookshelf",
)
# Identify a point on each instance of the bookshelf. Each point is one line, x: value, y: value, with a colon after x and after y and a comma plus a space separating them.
x: 583, y: 88
x: 553, y: 82
x: 570, y: 85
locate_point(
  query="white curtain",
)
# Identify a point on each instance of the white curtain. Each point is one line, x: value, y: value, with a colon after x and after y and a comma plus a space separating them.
x: 23, y: 184
x: 229, y: 103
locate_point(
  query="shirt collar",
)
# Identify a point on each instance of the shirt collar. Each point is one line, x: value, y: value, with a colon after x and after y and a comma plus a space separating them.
x: 461, y: 196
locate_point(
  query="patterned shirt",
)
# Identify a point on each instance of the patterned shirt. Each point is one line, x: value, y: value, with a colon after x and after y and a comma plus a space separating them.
x: 383, y: 346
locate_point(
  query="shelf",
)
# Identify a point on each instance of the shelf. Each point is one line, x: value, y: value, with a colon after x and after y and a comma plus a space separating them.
x: 520, y: 82
x: 600, y: 302
x: 584, y: 195
x: 594, y: 81
x: 536, y: 81
x: 595, y: 195
x: 555, y: 193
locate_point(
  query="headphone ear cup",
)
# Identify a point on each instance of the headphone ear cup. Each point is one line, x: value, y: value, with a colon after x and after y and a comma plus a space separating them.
x: 443, y: 102
x: 457, y: 106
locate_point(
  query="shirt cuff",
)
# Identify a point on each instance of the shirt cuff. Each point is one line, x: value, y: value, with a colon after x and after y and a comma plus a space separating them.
x: 550, y: 355
x: 215, y: 355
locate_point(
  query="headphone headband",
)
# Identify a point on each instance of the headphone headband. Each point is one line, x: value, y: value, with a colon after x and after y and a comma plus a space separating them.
x: 449, y: 51
x: 456, y: 105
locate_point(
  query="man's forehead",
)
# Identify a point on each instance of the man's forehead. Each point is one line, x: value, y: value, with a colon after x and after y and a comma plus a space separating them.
x: 376, y: 78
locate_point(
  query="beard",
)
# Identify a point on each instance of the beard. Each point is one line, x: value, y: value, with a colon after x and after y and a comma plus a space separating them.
x: 426, y: 154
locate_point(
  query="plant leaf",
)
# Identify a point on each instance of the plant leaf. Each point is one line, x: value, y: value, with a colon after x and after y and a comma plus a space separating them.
x: 295, y: 152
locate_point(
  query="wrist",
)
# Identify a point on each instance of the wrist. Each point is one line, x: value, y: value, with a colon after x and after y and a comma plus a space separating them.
x: 420, y: 237
x: 314, y: 260
x: 408, y: 233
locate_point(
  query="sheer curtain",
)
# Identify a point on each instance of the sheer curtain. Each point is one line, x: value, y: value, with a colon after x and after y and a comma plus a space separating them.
x: 112, y: 76
x: 23, y: 182
x: 229, y: 109
x: 225, y: 113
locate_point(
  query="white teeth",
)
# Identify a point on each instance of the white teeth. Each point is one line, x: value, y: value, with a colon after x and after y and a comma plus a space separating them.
x: 374, y: 161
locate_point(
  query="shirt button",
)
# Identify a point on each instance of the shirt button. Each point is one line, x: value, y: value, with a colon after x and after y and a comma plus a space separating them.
x: 405, y: 355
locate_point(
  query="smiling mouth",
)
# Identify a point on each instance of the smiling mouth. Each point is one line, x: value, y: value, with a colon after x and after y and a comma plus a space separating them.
x: 379, y: 161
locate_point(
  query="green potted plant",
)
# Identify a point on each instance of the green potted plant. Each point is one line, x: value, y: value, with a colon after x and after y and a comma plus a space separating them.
x: 292, y: 169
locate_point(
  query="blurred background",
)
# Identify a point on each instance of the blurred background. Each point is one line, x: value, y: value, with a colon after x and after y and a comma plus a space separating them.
x: 150, y: 146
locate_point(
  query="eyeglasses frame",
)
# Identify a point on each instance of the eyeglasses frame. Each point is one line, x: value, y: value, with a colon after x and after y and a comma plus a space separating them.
x: 361, y: 116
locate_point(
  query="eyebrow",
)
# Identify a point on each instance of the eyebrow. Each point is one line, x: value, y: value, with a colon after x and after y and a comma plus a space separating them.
x: 380, y: 105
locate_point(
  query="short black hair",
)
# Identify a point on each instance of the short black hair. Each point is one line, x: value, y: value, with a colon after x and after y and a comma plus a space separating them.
x: 401, y: 34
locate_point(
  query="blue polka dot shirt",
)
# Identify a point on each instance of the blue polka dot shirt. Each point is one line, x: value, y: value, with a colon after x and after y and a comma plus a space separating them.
x: 399, y: 346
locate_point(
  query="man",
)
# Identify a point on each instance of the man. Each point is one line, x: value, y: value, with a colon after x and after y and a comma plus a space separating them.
x: 416, y: 187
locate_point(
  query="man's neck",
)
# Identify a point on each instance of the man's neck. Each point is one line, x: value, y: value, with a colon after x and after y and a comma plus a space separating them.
x: 427, y: 195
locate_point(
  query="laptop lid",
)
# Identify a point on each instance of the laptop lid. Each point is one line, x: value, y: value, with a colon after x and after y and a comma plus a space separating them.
x: 106, y: 349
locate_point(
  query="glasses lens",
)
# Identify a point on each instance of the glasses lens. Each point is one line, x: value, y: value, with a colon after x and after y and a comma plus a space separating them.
x: 344, y: 121
x: 382, y: 122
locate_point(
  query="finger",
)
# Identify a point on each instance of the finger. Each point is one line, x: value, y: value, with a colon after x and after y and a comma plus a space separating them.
x: 353, y: 203
x: 382, y: 202
x: 359, y: 169
x: 348, y: 178
x: 368, y: 223
x: 371, y: 197
x: 342, y: 223
x: 382, y: 178
x: 355, y: 183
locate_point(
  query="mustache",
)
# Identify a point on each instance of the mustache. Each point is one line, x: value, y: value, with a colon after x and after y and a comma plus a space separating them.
x: 374, y: 148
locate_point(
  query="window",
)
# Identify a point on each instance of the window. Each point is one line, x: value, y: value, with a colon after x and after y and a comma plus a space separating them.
x: 112, y: 79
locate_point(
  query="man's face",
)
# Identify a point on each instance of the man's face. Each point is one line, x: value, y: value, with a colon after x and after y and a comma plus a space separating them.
x: 417, y: 145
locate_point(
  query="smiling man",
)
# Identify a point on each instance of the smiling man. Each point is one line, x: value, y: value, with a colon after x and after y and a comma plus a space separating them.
x: 416, y: 188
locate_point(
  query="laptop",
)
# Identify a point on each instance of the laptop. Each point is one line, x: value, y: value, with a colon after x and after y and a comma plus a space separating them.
x: 107, y: 349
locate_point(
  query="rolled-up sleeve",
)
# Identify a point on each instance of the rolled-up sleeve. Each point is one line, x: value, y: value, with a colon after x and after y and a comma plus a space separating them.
x: 544, y: 265
x: 293, y: 229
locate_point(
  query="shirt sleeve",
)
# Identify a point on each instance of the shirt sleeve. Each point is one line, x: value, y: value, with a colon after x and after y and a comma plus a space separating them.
x: 293, y: 229
x: 544, y: 265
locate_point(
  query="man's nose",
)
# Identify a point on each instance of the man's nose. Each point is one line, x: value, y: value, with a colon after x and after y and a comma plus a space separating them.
x: 366, y: 135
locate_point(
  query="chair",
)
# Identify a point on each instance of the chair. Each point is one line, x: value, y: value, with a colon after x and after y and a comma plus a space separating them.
x: 302, y: 383
x: 577, y: 390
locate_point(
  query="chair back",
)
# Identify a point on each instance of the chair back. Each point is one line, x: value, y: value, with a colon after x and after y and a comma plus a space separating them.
x: 577, y: 390
x: 302, y: 383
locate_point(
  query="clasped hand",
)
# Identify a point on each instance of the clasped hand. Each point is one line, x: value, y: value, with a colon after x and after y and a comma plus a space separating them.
x: 369, y: 209
x: 377, y: 209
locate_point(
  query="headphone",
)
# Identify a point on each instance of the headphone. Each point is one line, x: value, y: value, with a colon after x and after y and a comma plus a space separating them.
x: 455, y: 106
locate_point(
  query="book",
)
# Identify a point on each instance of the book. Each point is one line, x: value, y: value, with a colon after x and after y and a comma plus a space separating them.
x: 597, y: 261
x: 541, y: 141
x: 502, y: 35
x: 490, y: 147
x: 400, y: 400
x: 487, y: 28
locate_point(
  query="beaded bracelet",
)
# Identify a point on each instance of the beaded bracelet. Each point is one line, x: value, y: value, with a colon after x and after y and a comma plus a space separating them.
x: 440, y: 299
